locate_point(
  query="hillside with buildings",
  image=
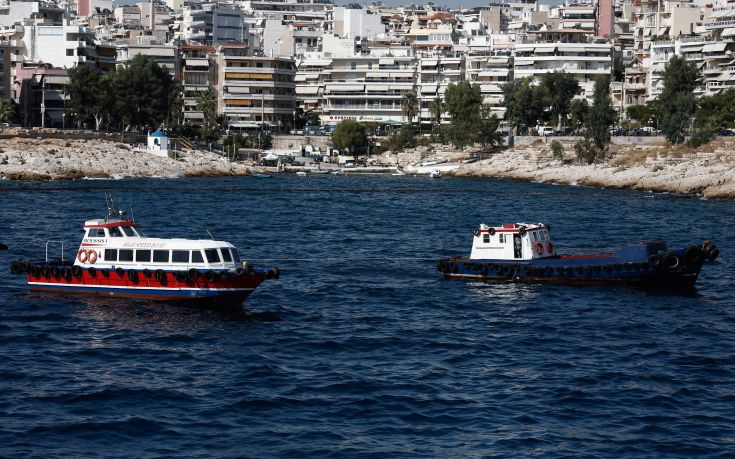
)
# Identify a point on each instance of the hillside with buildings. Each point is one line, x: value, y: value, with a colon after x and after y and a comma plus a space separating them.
x: 270, y: 60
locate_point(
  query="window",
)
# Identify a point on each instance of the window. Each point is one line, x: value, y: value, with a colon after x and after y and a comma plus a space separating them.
x: 535, y: 236
x: 160, y: 256
x: 235, y: 256
x: 370, y: 65
x: 212, y: 255
x: 127, y: 231
x: 501, y: 238
x: 196, y: 257
x: 226, y: 255
x: 353, y: 65
x: 486, y: 238
x: 143, y: 255
x: 96, y: 232
x: 180, y: 256
x: 69, y: 52
x: 110, y: 254
x: 115, y: 232
x: 125, y: 255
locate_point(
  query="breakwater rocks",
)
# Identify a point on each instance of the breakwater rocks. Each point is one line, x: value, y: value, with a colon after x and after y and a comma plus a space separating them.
x: 44, y: 158
x: 708, y: 170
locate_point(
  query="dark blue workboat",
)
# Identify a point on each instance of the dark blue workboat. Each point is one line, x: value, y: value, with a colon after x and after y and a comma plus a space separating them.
x: 523, y: 252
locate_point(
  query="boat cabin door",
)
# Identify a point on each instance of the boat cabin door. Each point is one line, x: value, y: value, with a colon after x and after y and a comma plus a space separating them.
x: 517, y: 252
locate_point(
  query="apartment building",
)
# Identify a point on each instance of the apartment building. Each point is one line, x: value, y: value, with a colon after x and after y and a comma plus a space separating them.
x: 491, y: 72
x: 254, y: 90
x: 39, y: 95
x: 434, y: 75
x: 367, y: 88
x: 209, y: 24
x: 195, y: 72
x: 564, y: 50
x: 310, y: 79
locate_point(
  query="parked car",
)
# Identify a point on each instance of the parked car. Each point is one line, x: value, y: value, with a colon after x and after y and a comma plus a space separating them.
x: 545, y: 130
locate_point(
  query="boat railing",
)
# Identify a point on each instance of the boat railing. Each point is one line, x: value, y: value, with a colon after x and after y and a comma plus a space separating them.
x: 55, y: 242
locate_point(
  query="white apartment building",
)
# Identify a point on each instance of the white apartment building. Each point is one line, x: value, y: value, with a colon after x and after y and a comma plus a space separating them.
x: 434, y: 75
x: 367, y: 88
x: 292, y: 38
x: 209, y: 24
x: 567, y: 51
x: 352, y: 23
x: 311, y: 76
x: 287, y: 10
x: 491, y: 72
x: 254, y: 90
x: 195, y: 67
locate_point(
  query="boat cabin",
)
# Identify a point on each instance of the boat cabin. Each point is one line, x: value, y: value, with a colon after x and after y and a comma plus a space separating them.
x: 117, y: 242
x: 512, y: 241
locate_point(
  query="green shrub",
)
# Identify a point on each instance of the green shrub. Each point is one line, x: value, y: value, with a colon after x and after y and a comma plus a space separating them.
x: 588, y: 153
x: 557, y: 150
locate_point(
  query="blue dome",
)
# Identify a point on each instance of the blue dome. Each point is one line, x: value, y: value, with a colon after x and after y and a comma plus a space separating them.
x: 158, y: 134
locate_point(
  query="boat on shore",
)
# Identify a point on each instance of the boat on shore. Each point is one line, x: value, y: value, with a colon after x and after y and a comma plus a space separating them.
x: 435, y: 174
x: 523, y: 252
x: 116, y: 259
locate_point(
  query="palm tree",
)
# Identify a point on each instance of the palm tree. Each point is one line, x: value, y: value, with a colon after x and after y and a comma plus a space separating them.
x: 437, y: 108
x: 206, y: 104
x: 409, y: 106
x: 6, y: 111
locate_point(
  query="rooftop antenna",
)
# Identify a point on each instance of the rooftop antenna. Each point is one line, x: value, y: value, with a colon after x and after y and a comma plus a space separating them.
x: 210, y: 235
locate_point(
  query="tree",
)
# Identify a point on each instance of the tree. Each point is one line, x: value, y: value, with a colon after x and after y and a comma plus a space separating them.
x: 559, y: 88
x: 578, y: 109
x: 351, y: 135
x: 206, y: 103
x: 716, y: 112
x: 409, y: 106
x: 7, y: 111
x: 597, y: 125
x: 676, y: 103
x: 524, y: 103
x: 312, y: 118
x: 89, y: 93
x: 437, y: 108
x: 602, y: 114
x: 640, y: 113
x: 463, y: 102
x: 487, y: 132
x: 142, y: 93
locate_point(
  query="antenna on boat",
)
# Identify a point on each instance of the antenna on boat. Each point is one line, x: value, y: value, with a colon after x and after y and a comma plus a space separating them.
x: 132, y: 215
x: 210, y: 235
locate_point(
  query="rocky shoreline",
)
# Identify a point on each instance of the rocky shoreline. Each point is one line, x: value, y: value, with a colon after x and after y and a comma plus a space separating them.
x: 23, y: 158
x: 708, y: 171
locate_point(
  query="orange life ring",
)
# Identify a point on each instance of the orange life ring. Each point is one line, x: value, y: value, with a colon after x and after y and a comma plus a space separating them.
x: 539, y: 248
x: 549, y: 247
x: 92, y: 256
x: 82, y: 255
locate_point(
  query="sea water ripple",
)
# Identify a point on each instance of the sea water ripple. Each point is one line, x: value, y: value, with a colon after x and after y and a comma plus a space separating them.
x: 361, y: 349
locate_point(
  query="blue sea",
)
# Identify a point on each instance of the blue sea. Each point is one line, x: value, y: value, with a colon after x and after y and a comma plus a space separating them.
x: 361, y: 349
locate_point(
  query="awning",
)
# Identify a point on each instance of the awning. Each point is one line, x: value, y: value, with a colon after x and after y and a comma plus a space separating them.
x: 299, y: 77
x: 428, y: 88
x: 386, y: 61
x: 571, y: 49
x: 428, y: 62
x: 56, y: 79
x: 376, y: 87
x: 377, y: 75
x: 307, y: 89
x: 663, y: 31
x: 400, y: 87
x: 714, y: 47
x: 492, y: 100
x: 648, y: 32
x: 346, y: 88
x: 489, y: 88
x: 545, y: 50
x: 197, y: 62
x: 728, y: 32
x: 691, y: 48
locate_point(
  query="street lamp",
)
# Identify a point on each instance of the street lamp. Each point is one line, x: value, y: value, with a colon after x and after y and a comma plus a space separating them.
x: 63, y: 121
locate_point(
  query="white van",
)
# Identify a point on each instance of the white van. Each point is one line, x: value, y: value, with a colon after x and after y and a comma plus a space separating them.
x: 545, y: 130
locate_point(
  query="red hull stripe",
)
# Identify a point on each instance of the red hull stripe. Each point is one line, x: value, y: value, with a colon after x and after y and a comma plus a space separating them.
x: 591, y: 255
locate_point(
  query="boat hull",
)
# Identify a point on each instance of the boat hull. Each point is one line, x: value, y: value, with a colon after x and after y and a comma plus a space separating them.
x: 178, y: 286
x: 596, y: 269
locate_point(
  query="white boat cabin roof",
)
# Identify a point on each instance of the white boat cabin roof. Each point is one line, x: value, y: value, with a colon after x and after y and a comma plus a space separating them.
x: 512, y: 242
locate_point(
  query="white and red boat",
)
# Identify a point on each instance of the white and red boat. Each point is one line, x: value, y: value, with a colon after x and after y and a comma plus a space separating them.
x: 116, y: 259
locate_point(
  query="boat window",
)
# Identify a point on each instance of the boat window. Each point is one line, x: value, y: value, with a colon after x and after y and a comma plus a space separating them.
x: 196, y: 257
x: 212, y: 255
x: 138, y: 232
x: 235, y: 256
x: 485, y: 238
x: 127, y: 231
x: 115, y: 232
x: 96, y: 232
x: 143, y: 255
x: 535, y: 235
x: 125, y: 255
x: 160, y: 256
x: 110, y: 254
x: 180, y: 256
x: 542, y: 235
x: 226, y: 255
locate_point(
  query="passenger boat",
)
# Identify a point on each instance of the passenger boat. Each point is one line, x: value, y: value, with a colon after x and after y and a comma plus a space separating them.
x: 116, y: 259
x: 523, y: 252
